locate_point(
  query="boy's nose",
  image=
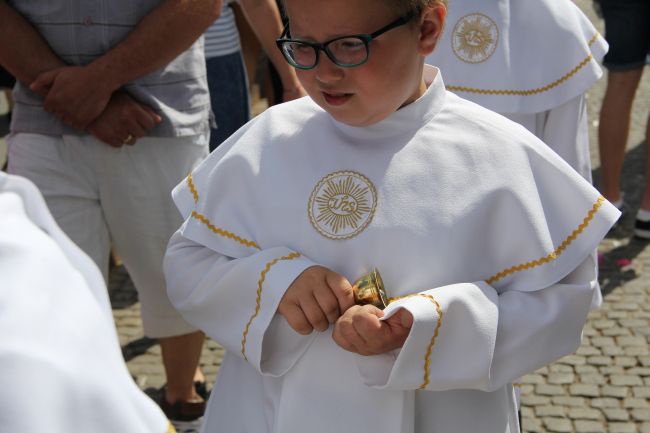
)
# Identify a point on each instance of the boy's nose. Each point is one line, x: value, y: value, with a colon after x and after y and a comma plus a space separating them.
x: 327, y: 71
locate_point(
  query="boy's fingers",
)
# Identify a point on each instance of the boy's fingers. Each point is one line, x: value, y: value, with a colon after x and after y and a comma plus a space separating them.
x: 342, y: 290
x: 313, y: 312
x: 328, y: 303
x: 297, y: 319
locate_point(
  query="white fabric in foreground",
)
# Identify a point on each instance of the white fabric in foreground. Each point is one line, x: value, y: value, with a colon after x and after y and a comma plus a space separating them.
x: 489, y: 229
x: 61, y: 367
x: 515, y: 56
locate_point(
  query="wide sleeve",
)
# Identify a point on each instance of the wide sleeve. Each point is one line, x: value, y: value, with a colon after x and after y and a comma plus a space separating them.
x: 468, y: 336
x: 234, y: 301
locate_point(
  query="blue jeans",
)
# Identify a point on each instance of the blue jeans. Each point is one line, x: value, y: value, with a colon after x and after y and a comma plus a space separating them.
x: 228, y: 86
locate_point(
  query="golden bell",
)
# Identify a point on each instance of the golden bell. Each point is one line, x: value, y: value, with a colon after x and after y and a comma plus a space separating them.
x: 369, y: 289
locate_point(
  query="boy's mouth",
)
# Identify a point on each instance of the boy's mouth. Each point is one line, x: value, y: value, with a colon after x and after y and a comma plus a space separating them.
x: 336, y: 98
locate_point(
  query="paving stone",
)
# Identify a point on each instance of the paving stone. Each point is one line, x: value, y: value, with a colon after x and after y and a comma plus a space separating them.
x: 641, y: 414
x: 625, y: 361
x: 584, y: 390
x: 532, y: 425
x: 641, y: 392
x: 535, y: 400
x: 612, y: 369
x: 561, y: 378
x: 614, y: 391
x: 550, y: 411
x: 586, y: 369
x: 625, y: 380
x: 559, y: 425
x: 569, y: 401
x: 584, y: 413
x: 560, y: 368
x: 635, y: 403
x: 644, y: 427
x: 639, y: 371
x: 615, y: 414
x: 606, y: 402
x: 573, y: 360
x: 593, y: 379
x: 583, y: 426
x: 599, y: 360
x: 622, y: 427
x: 613, y: 351
x: 533, y: 379
x: 616, y: 332
x: 544, y: 389
x: 585, y: 350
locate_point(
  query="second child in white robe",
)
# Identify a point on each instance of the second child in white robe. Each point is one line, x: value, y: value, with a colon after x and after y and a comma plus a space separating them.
x: 532, y: 61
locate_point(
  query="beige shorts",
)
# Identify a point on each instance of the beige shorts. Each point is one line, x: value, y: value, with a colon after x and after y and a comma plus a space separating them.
x: 102, y: 196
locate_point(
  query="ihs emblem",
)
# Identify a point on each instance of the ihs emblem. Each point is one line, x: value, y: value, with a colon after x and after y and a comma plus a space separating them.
x: 475, y: 38
x: 342, y: 204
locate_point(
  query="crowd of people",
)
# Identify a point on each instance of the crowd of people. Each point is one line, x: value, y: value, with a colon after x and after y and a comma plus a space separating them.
x: 131, y: 131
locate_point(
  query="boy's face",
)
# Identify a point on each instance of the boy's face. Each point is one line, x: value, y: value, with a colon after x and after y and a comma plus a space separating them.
x: 366, y: 94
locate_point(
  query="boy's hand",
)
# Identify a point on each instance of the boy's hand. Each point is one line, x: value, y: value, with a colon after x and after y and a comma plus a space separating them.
x: 316, y: 299
x: 359, y: 330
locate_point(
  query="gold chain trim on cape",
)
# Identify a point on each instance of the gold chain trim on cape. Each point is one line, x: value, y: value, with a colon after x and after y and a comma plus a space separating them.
x: 552, y: 256
x: 190, y: 184
x: 258, y: 299
x: 427, y: 356
x: 203, y: 219
x: 222, y: 232
x: 529, y: 92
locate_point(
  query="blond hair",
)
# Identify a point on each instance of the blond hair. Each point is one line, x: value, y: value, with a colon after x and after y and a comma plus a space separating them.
x: 403, y: 7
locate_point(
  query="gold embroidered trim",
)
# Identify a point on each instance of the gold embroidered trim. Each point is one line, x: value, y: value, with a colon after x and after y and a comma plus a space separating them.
x: 529, y: 92
x: 258, y: 300
x: 222, y: 232
x: 190, y: 184
x: 552, y: 256
x: 170, y: 428
x: 427, y: 356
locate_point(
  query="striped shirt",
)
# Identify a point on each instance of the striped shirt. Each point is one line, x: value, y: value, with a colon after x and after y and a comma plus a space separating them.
x: 222, y: 37
x: 80, y: 32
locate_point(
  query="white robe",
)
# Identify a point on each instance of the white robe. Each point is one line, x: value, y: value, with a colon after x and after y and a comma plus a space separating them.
x: 532, y: 61
x: 469, y: 212
x: 61, y: 367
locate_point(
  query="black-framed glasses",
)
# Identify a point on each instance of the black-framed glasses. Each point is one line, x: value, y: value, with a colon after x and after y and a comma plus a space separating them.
x: 344, y: 51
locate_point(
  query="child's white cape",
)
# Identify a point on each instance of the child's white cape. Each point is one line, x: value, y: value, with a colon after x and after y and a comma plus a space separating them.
x: 522, y: 56
x: 61, y: 367
x: 486, y: 227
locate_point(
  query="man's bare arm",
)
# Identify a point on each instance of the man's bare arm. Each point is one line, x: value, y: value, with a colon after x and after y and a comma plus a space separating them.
x: 23, y: 51
x: 79, y: 94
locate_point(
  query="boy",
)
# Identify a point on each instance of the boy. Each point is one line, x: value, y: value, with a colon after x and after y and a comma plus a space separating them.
x: 483, y: 237
x: 533, y: 71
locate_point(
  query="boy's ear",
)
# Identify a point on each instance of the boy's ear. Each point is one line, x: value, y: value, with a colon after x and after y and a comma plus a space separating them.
x: 432, y: 22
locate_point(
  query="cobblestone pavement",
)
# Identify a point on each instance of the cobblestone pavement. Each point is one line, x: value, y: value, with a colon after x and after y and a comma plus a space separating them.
x: 603, y: 387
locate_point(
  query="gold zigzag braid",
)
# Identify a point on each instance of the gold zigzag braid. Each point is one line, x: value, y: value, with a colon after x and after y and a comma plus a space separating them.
x: 528, y: 92
x: 222, y: 232
x: 552, y: 256
x: 427, y: 356
x: 258, y: 299
x: 190, y: 184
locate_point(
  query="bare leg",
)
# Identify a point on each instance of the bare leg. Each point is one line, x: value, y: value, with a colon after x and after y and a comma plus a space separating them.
x: 181, y: 359
x: 614, y: 128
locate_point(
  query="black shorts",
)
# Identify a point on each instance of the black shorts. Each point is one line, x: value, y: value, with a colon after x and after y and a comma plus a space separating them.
x: 627, y: 30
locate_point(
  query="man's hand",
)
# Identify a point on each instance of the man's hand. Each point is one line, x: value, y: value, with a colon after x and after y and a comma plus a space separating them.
x: 75, y: 94
x: 124, y: 121
x: 359, y: 330
x: 315, y: 300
